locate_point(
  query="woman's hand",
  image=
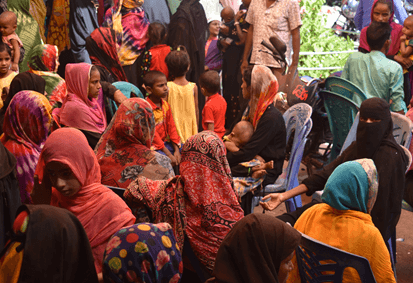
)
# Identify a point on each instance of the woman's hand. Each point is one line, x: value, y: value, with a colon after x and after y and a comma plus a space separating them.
x: 239, y: 14
x: 274, y: 202
x: 42, y: 193
x: 406, y: 63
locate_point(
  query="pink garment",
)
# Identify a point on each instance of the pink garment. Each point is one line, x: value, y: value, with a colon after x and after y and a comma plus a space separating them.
x: 7, y: 39
x: 396, y: 33
x: 99, y: 209
x: 78, y: 110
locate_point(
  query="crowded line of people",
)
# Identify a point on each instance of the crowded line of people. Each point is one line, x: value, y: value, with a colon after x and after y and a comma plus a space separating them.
x: 187, y: 154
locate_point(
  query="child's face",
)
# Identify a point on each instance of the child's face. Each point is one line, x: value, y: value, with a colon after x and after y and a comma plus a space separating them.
x: 160, y: 88
x: 5, y: 61
x: 94, y: 84
x: 236, y: 137
x: 62, y: 178
x: 381, y: 13
x: 6, y: 28
x: 227, y: 16
x: 408, y: 28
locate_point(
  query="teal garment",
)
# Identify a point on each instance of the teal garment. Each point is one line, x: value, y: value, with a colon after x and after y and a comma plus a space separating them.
x: 352, y: 186
x: 377, y: 76
x: 173, y: 5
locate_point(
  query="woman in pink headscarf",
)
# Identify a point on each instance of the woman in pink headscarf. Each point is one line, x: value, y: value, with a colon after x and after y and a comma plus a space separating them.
x: 81, y: 108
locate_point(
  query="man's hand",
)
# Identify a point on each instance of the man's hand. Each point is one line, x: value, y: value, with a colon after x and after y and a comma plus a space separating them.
x: 274, y: 202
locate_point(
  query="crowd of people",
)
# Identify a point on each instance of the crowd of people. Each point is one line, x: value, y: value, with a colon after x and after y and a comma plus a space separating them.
x: 190, y: 153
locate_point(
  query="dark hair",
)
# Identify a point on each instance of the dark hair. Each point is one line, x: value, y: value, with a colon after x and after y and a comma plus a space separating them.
x: 210, y: 81
x: 94, y: 69
x: 178, y: 62
x: 377, y: 34
x: 248, y: 74
x: 157, y: 33
x: 150, y: 78
x: 386, y: 2
x: 5, y: 47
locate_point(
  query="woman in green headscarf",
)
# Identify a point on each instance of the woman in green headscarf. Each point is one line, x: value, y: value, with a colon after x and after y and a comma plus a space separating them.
x: 343, y: 220
x: 27, y: 28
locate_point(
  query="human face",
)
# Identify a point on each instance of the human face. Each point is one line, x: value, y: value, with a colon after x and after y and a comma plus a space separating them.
x: 286, y: 267
x: 6, y: 28
x: 94, y: 84
x: 246, y: 90
x: 5, y: 61
x: 235, y: 137
x: 62, y: 178
x: 369, y: 120
x: 214, y: 27
x: 381, y: 13
x: 160, y: 87
x: 408, y: 28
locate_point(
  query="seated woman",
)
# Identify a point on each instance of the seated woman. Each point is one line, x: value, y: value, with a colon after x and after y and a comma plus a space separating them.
x: 150, y: 253
x: 375, y: 141
x: 23, y: 81
x: 124, y: 151
x: 44, y: 61
x: 268, y: 246
x: 200, y: 203
x: 26, y: 127
x: 36, y: 230
x: 343, y: 220
x: 68, y: 176
x: 269, y: 137
x: 81, y: 108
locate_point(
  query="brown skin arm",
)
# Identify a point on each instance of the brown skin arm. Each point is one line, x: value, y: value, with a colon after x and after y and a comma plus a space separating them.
x: 247, y: 48
x: 174, y: 162
x: 241, y: 35
x: 177, y: 154
x: 119, y: 97
x: 296, y: 49
x: 16, y: 56
x: 404, y: 62
x: 42, y: 193
x: 405, y: 50
x: 210, y: 127
x: 278, y: 198
x: 231, y: 147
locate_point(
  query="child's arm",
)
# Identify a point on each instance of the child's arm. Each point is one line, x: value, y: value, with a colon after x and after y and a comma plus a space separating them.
x: 230, y: 146
x: 210, y: 127
x: 405, y: 50
x: 196, y: 103
x: 169, y: 154
x: 177, y: 154
x: 16, y: 55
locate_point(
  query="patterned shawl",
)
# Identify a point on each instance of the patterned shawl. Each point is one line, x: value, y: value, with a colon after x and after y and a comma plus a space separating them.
x: 101, y: 46
x: 38, y: 11
x: 26, y: 127
x: 43, y: 60
x: 152, y: 250
x: 98, y: 208
x: 124, y: 151
x: 352, y: 186
x: 264, y: 88
x: 27, y: 28
x: 127, y: 18
x: 58, y: 30
x: 200, y: 203
x: 78, y: 110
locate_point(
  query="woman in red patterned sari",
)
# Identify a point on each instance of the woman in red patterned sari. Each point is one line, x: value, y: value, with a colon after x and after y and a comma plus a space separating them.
x: 200, y: 203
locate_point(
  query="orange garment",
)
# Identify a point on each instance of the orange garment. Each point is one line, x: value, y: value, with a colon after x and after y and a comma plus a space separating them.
x: 348, y: 230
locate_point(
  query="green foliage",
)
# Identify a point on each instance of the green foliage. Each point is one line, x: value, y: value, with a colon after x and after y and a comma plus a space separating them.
x: 315, y: 37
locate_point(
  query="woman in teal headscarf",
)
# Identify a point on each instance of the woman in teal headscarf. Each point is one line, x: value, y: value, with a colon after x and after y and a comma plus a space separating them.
x: 27, y: 28
x: 343, y: 220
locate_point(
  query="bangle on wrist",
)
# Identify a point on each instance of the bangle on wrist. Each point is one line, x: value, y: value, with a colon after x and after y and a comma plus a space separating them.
x: 236, y: 23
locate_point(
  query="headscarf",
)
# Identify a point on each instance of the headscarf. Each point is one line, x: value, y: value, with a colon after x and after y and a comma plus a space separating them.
x: 58, y: 29
x: 124, y: 151
x: 101, y: 45
x: 48, y: 244
x: 143, y: 252
x: 396, y: 32
x: 128, y: 19
x: 264, y: 87
x: 352, y: 186
x: 27, y: 28
x: 43, y: 60
x: 254, y: 249
x: 26, y: 127
x: 200, y: 203
x: 98, y: 208
x: 23, y: 81
x: 78, y: 110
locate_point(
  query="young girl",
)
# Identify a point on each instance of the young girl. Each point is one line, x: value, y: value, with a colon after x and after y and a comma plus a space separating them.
x: 6, y: 75
x: 183, y: 95
x: 154, y: 58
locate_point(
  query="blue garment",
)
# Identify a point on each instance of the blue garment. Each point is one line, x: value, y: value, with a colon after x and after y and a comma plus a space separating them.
x: 170, y: 147
x: 363, y: 15
x: 157, y: 11
x: 376, y: 76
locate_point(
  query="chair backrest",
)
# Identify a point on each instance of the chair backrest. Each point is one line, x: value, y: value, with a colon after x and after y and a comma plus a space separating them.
x: 315, y: 262
x: 298, y: 118
x: 345, y: 88
x: 341, y: 112
x: 402, y: 130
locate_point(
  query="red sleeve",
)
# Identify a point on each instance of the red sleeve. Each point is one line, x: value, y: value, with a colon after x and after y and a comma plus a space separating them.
x: 157, y: 143
x: 208, y: 114
x: 173, y: 134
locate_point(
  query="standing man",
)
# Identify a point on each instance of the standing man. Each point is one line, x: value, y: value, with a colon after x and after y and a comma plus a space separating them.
x: 268, y: 18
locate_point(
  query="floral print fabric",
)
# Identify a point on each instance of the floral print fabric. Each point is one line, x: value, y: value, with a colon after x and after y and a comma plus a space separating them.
x: 143, y: 252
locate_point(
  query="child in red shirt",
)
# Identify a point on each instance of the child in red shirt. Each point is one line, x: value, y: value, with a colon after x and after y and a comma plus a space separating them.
x: 213, y: 114
x: 166, y: 140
